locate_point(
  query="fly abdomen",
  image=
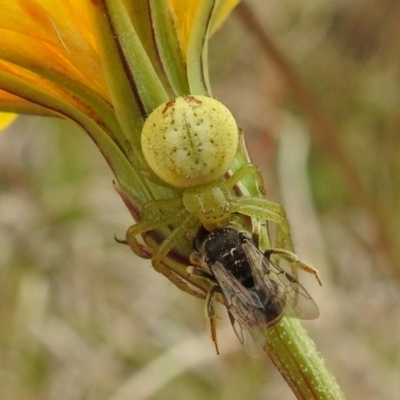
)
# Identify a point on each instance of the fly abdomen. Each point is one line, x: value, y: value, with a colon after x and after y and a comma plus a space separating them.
x: 241, y: 270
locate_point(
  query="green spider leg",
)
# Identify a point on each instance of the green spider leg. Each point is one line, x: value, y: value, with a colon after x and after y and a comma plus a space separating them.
x: 175, y: 237
x: 149, y: 222
x: 163, y: 204
x: 270, y: 211
x: 189, y: 223
x: 295, y: 262
x: 242, y: 172
x: 145, y: 226
x: 261, y: 208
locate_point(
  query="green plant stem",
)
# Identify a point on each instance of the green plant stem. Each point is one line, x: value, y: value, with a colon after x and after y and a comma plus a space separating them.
x: 300, y: 364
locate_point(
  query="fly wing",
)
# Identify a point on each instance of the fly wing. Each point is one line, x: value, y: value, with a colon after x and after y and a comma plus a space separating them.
x: 245, y: 310
x: 299, y: 302
x: 279, y: 286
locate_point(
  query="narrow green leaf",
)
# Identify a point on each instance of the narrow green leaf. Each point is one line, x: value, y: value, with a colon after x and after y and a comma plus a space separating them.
x: 139, y: 68
x: 197, y: 50
x: 141, y: 16
x: 168, y: 46
x: 125, y: 97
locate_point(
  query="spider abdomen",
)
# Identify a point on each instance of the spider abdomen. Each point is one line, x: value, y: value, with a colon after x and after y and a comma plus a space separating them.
x: 190, y: 141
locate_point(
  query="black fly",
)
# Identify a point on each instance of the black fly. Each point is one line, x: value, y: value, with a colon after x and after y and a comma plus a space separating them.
x: 256, y: 291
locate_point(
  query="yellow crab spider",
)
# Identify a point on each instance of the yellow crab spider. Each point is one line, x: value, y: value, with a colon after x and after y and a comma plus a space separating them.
x: 190, y: 144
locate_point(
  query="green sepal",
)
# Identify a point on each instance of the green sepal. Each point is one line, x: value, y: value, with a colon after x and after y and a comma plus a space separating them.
x: 168, y: 46
x: 197, y: 50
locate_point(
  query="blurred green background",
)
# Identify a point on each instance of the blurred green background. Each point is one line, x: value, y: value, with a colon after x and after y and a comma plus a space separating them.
x: 82, y: 318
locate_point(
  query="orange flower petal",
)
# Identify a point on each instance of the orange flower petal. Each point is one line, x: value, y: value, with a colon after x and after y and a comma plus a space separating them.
x: 11, y: 103
x: 53, y: 39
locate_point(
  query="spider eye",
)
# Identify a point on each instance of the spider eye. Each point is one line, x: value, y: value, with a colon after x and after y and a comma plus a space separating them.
x: 190, y: 141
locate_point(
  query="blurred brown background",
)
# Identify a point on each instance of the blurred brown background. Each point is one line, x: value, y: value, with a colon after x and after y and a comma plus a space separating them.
x: 82, y: 318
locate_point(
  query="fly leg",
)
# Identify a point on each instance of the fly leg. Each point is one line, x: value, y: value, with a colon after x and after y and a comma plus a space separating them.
x: 210, y: 314
x: 201, y: 272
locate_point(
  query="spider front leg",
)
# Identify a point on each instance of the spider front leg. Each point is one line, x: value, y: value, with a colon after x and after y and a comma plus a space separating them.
x: 143, y: 227
x: 175, y: 237
x: 159, y: 205
x: 269, y: 211
x: 243, y: 171
x: 259, y: 207
x: 166, y: 246
x: 147, y: 224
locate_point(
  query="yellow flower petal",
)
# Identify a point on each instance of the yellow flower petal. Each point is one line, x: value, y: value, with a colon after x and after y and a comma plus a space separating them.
x: 6, y: 119
x: 221, y: 12
x: 185, y: 11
